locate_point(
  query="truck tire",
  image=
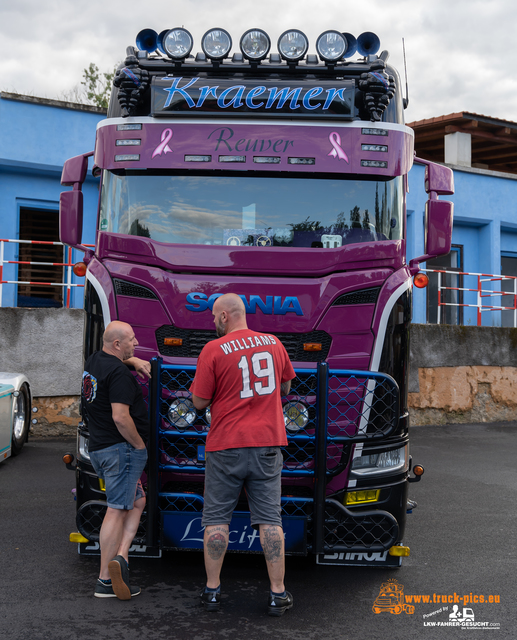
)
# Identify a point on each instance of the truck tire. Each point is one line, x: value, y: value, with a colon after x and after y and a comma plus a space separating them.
x: 21, y: 420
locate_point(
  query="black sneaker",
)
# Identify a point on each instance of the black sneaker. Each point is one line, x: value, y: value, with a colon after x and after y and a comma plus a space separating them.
x: 119, y: 574
x: 211, y: 600
x: 106, y: 590
x: 277, y: 606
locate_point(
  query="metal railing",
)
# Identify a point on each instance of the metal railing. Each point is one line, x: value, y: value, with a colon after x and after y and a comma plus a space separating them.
x: 67, y: 269
x: 483, y: 296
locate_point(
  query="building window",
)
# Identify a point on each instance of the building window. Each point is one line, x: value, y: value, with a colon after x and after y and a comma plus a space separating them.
x: 38, y: 225
x: 446, y: 287
x: 509, y: 268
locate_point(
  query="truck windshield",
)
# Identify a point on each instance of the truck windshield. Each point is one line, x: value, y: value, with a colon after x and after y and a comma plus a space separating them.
x: 279, y: 210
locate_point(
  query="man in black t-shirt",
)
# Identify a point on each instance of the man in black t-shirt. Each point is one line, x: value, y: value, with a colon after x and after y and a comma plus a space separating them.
x: 116, y: 415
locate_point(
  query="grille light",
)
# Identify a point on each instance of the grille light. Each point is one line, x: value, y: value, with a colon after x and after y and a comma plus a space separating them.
x: 312, y: 346
x: 296, y: 416
x: 182, y: 413
x: 331, y: 46
x: 293, y: 45
x: 255, y: 44
x: 177, y: 43
x: 216, y: 44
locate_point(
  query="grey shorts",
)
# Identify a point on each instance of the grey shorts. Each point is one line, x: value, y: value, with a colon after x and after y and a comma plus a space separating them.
x: 258, y: 470
x: 120, y: 466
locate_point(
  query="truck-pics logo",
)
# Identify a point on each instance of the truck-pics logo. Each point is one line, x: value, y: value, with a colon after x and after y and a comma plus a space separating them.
x: 272, y: 305
x: 391, y: 599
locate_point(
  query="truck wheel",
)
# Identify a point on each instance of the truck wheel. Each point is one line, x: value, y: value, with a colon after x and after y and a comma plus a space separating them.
x: 21, y: 420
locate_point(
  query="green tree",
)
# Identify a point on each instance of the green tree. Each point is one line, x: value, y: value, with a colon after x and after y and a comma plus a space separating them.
x: 97, y: 85
x: 306, y: 225
x: 138, y: 229
x: 355, y: 218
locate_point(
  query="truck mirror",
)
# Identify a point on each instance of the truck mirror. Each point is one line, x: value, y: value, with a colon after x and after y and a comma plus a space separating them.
x: 71, y: 217
x: 438, y: 217
x: 439, y: 179
x: 74, y: 170
x: 438, y: 232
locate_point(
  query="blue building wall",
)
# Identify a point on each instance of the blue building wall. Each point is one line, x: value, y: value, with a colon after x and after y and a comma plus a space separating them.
x: 485, y: 224
x: 36, y: 137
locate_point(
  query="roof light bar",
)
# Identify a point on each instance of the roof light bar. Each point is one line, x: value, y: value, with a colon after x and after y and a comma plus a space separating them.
x: 255, y: 45
x: 293, y: 45
x: 216, y: 44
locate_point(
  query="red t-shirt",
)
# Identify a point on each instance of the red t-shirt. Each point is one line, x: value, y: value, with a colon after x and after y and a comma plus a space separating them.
x: 242, y: 373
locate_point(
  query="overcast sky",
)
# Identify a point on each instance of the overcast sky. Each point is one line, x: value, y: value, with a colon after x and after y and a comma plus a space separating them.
x: 460, y: 53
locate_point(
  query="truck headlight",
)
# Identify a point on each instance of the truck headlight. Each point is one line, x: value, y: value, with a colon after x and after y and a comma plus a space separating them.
x: 182, y: 413
x: 387, y: 462
x: 82, y: 447
x: 296, y: 416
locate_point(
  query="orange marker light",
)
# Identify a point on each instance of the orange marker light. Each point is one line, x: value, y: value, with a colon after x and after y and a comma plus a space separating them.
x: 418, y: 470
x: 421, y: 280
x: 173, y: 342
x: 68, y: 458
x: 312, y: 346
x: 79, y: 269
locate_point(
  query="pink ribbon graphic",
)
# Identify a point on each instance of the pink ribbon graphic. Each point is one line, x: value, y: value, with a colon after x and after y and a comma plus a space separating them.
x: 337, y: 151
x: 163, y: 147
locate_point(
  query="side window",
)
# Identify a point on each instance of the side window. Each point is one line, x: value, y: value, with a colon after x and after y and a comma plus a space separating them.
x: 444, y: 294
x: 509, y: 268
x: 40, y: 263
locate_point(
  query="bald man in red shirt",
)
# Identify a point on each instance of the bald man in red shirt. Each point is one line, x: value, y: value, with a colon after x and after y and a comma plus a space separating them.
x: 243, y: 375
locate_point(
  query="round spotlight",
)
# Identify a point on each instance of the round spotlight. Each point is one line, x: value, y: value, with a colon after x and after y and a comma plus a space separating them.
x: 255, y: 44
x: 296, y: 416
x: 293, y: 45
x: 177, y: 43
x: 331, y: 46
x: 182, y: 413
x: 216, y: 44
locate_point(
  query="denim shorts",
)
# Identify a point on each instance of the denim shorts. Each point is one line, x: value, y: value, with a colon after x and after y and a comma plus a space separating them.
x: 258, y: 470
x: 120, y: 466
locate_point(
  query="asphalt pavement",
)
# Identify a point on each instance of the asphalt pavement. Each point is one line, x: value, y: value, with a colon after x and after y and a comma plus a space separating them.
x: 461, y: 535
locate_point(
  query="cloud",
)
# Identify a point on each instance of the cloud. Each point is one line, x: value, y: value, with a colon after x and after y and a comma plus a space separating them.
x: 458, y: 53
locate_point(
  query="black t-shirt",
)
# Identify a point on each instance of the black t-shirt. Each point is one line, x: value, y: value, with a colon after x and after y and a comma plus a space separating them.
x: 106, y: 379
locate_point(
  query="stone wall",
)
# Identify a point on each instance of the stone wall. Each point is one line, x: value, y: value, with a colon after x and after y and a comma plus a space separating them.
x: 46, y: 345
x: 457, y: 374
x: 462, y: 374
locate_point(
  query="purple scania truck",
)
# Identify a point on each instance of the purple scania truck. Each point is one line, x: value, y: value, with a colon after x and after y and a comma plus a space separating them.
x: 281, y: 177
